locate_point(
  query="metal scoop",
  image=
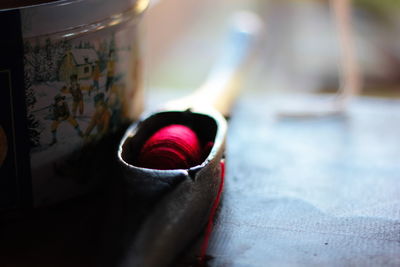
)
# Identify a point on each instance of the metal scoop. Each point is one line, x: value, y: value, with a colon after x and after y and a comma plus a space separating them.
x: 164, y: 210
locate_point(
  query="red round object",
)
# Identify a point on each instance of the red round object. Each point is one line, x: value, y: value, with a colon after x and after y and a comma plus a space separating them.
x: 172, y: 147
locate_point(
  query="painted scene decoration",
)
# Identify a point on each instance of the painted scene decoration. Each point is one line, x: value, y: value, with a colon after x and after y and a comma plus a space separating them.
x: 75, y: 95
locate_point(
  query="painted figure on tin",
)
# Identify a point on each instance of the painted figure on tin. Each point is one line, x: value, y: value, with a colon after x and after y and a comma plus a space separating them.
x: 110, y: 70
x: 74, y: 89
x: 95, y: 77
x: 61, y: 113
x: 101, y: 117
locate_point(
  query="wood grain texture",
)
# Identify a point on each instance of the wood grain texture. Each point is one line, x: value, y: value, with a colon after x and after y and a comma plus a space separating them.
x: 322, y: 192
x: 311, y: 192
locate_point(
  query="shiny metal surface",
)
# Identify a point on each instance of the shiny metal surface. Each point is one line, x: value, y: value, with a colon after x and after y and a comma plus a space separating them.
x: 163, y: 211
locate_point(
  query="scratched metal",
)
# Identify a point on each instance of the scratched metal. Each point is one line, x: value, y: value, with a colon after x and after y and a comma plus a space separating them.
x: 311, y: 192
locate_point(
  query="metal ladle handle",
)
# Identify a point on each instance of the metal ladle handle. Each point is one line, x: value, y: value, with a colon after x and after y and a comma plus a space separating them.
x: 222, y: 86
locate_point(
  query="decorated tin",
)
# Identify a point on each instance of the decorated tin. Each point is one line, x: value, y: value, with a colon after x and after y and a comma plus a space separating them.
x: 69, y: 83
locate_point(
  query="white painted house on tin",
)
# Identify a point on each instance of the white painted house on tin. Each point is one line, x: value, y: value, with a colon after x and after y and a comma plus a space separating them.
x: 79, y: 61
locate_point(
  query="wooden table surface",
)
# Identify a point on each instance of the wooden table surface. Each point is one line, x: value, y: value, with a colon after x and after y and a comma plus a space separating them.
x: 298, y: 192
x: 309, y: 192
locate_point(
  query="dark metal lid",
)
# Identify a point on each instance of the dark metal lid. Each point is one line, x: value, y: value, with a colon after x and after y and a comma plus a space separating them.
x: 12, y: 4
x: 49, y: 17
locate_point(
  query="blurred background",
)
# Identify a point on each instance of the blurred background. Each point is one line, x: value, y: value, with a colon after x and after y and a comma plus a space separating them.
x: 299, y: 51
